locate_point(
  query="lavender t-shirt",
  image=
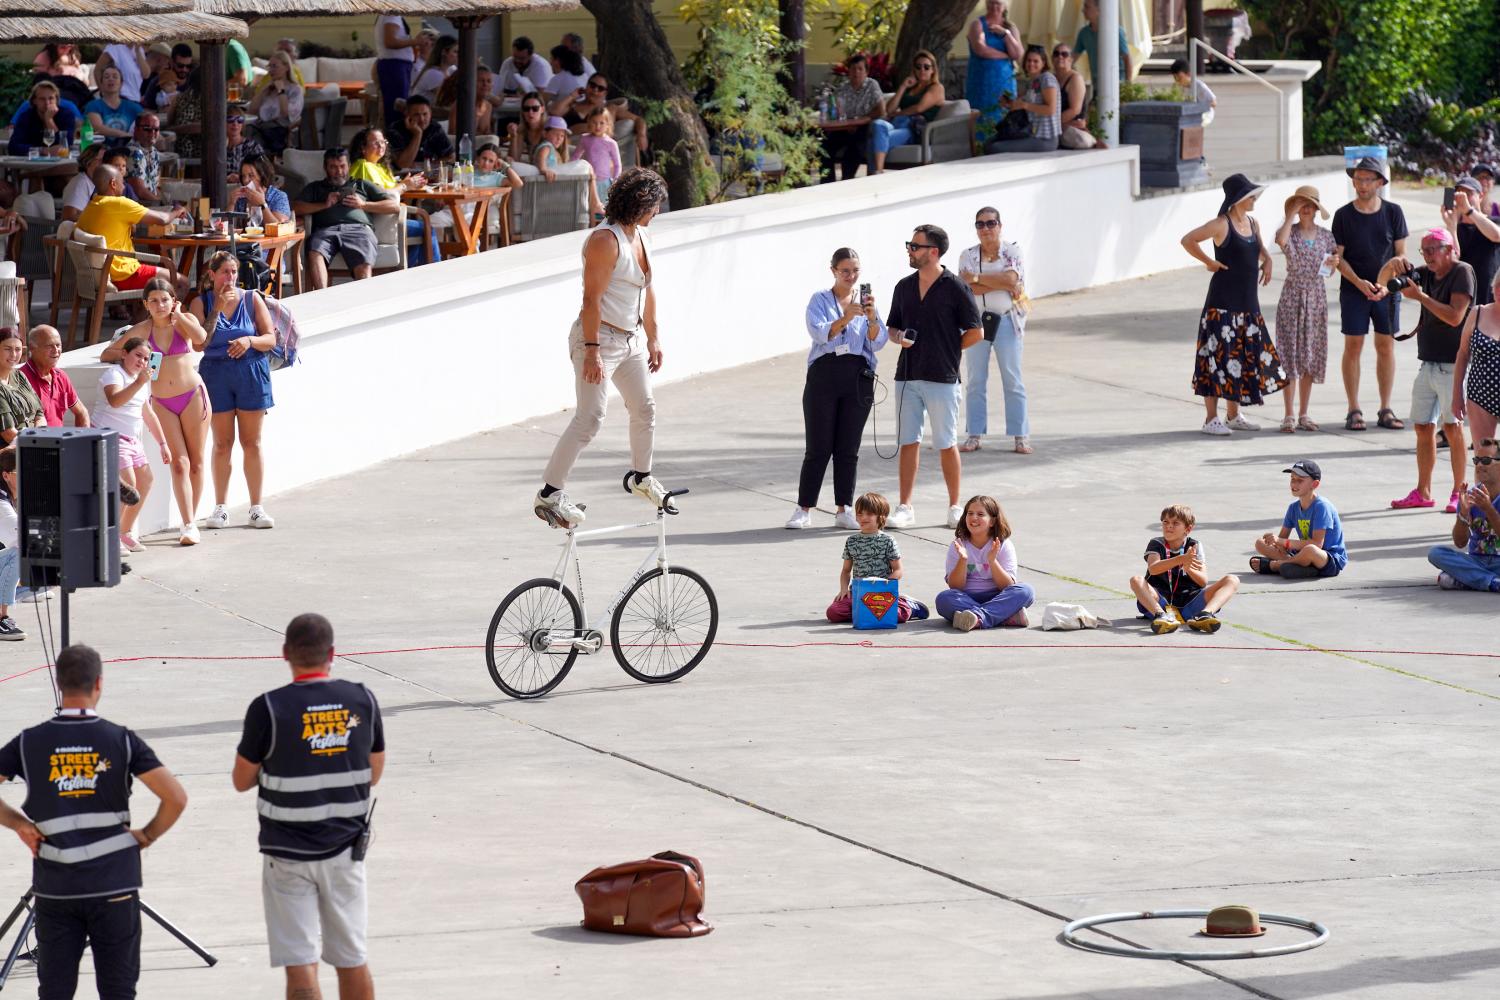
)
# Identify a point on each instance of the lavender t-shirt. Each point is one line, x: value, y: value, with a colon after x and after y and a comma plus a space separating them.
x: 979, y: 580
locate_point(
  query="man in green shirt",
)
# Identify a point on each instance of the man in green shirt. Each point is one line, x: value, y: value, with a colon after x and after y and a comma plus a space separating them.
x: 340, y: 208
x: 1088, y: 43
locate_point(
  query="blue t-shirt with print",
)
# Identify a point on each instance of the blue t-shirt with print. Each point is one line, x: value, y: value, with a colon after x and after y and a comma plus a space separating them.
x: 1320, y: 515
x: 1483, y: 539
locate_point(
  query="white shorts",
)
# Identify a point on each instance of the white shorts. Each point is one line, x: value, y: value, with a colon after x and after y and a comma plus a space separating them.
x: 1432, y: 394
x: 306, y: 900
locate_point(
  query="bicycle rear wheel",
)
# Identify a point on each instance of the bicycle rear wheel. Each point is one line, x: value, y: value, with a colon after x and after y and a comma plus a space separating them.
x: 515, y: 649
x: 665, y: 625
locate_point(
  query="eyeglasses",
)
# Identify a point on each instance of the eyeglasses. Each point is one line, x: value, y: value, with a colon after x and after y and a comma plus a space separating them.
x: 844, y: 272
x: 921, y: 246
x: 986, y: 223
x: 1430, y: 251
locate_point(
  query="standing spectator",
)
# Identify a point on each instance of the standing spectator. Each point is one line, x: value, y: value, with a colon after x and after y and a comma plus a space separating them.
x: 238, y: 147
x: 1444, y: 287
x: 418, y: 137
x: 994, y: 47
x: 51, y: 384
x: 340, y: 207
x: 1476, y: 372
x: 440, y: 64
x: 112, y: 216
x: 186, y: 120
x: 1302, y: 310
x: 86, y: 858
x: 919, y: 95
x: 1369, y: 231
x: 1041, y: 104
x: 112, y: 115
x: 371, y: 154
x: 125, y: 388
x: 1477, y: 236
x: 236, y: 368
x: 1196, y: 91
x: 1236, y: 359
x: 569, y: 75
x: 1088, y: 43
x: 1484, y: 173
x: 161, y: 87
x: 19, y: 406
x: 857, y: 97
x: 995, y: 275
x: 277, y: 104
x: 846, y: 332
x: 601, y: 151
x: 314, y: 750
x: 425, y: 42
x: 394, y: 56
x: 523, y: 72
x: 933, y: 318
x: 1073, y: 122
x: 130, y: 60
x: 10, y: 546
x: 45, y: 125
x: 143, y: 177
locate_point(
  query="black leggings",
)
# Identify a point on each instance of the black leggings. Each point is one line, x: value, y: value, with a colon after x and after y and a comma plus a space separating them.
x: 835, y: 404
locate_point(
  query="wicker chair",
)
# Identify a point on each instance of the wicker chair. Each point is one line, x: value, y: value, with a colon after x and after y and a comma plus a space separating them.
x: 90, y: 260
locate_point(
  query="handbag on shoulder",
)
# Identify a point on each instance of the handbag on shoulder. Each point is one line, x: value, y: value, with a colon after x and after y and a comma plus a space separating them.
x: 660, y: 896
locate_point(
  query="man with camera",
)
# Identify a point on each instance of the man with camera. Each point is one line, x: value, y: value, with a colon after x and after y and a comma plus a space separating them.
x: 86, y: 872
x: 1444, y: 287
x: 316, y: 748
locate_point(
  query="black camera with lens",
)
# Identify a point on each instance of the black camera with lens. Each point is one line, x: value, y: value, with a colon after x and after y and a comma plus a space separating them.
x: 1398, y: 282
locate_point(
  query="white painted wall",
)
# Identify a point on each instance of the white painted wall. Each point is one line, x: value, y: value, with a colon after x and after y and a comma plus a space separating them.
x: 732, y: 283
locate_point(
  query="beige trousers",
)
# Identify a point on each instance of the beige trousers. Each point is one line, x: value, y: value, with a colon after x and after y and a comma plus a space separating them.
x: 624, y: 360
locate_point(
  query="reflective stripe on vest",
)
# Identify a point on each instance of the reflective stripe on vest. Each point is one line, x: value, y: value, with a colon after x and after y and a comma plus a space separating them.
x: 88, y: 852
x: 312, y: 814
x: 82, y: 821
x: 316, y: 782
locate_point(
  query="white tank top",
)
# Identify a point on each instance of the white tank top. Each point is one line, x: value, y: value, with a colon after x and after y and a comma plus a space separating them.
x: 624, y: 301
x: 381, y: 52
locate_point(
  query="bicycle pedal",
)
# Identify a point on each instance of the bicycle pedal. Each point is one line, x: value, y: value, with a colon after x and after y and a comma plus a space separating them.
x: 550, y: 516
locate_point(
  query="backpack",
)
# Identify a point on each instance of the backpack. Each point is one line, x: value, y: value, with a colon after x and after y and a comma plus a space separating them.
x: 284, y: 354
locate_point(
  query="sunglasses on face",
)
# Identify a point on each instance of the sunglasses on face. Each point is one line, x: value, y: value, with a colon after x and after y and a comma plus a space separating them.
x: 1062, y: 55
x: 598, y: 86
x: 913, y: 247
x: 236, y: 120
x: 986, y: 223
x: 924, y: 65
x: 1485, y: 460
x: 531, y: 109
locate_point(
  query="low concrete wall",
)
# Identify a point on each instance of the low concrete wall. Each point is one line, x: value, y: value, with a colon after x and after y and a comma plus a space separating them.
x: 419, y: 357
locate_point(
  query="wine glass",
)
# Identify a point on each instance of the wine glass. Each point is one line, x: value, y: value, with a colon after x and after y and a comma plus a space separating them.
x: 49, y: 137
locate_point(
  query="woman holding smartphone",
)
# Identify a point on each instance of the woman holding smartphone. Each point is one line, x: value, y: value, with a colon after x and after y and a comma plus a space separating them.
x: 125, y: 388
x: 846, y: 332
x: 178, y: 397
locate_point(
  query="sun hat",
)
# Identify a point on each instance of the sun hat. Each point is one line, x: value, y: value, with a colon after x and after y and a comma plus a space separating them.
x: 161, y: 49
x: 1306, y: 193
x: 1232, y: 921
x: 1238, y: 187
x: 1375, y: 166
x: 556, y: 122
x: 1306, y: 468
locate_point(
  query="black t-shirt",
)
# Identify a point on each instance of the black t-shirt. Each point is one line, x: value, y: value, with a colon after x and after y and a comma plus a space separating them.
x: 940, y: 319
x: 1175, y: 586
x: 1436, y: 340
x: 435, y: 144
x: 1369, y: 240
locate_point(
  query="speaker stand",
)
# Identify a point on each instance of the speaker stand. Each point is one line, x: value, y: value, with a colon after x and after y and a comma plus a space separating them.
x: 65, y: 638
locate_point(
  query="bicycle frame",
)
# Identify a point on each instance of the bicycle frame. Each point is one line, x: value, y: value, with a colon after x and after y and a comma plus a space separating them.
x: 658, y: 556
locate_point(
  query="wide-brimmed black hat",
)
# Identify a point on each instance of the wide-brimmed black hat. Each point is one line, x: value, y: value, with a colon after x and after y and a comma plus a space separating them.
x: 1238, y: 187
x: 1374, y: 165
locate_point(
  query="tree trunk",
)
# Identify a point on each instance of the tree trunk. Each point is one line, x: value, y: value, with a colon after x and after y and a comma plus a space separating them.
x: 634, y: 53
x: 794, y: 33
x: 930, y: 25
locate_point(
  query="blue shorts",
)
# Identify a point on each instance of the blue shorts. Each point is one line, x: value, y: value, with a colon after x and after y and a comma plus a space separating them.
x: 1357, y: 313
x: 914, y: 399
x: 1193, y: 606
x: 238, y: 385
x: 1335, y: 564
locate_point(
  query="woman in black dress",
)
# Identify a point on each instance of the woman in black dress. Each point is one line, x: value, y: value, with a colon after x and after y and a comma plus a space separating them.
x: 1478, y: 235
x: 1237, y: 359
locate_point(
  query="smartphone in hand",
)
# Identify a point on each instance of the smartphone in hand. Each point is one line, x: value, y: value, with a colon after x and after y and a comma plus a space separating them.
x: 155, y: 364
x: 866, y: 296
x: 1448, y: 194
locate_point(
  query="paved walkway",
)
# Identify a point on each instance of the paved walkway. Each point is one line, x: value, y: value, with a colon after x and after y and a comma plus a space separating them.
x: 892, y: 815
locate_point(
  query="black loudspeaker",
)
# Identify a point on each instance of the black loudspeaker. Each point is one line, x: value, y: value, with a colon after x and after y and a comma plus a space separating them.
x: 70, y: 501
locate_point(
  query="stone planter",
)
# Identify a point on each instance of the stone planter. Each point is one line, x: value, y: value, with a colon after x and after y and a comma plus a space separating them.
x: 1170, y: 134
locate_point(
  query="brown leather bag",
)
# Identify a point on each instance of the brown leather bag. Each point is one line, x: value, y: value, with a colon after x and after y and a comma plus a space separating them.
x: 661, y: 896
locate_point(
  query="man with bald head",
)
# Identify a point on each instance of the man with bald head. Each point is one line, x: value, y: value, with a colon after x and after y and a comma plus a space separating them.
x: 49, y: 382
x: 110, y: 214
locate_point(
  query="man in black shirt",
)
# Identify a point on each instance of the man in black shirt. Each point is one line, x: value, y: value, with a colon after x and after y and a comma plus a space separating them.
x: 1368, y: 231
x: 86, y: 872
x: 417, y: 136
x: 340, y: 223
x: 1444, y: 287
x: 934, y: 318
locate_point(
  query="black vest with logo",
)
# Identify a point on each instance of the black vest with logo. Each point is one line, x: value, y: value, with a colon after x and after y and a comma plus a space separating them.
x: 315, y: 782
x: 77, y: 775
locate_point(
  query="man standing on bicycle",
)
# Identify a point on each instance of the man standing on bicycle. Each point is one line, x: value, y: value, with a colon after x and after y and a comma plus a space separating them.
x: 606, y: 345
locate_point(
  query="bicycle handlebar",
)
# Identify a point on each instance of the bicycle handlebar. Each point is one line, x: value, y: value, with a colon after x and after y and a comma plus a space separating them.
x: 666, y: 501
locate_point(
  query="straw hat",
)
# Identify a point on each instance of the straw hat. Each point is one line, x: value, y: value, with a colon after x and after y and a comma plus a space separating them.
x: 1307, y: 193
x: 1233, y: 922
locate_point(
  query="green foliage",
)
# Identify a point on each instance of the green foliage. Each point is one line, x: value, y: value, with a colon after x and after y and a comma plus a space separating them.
x: 865, y: 25
x: 1135, y: 91
x: 15, y: 85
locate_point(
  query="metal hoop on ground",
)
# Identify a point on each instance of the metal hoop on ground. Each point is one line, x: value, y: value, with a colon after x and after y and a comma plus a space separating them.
x: 1071, y: 930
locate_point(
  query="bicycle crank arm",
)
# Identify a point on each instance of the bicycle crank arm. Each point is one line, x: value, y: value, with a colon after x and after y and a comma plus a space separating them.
x: 586, y: 642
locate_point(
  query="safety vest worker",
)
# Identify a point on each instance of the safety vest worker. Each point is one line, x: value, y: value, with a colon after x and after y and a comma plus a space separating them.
x: 313, y: 749
x: 86, y: 868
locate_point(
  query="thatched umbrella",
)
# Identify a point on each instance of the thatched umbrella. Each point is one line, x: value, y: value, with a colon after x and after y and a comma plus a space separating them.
x: 135, y: 29
x: 91, y: 8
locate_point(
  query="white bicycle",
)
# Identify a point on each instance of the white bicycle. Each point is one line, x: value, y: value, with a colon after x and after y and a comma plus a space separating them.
x: 661, y: 623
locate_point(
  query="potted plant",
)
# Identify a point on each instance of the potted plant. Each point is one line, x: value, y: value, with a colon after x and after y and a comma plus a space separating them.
x: 1168, y: 127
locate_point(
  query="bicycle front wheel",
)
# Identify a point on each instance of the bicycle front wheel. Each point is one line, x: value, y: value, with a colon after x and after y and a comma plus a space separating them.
x: 665, y: 626
x: 516, y: 650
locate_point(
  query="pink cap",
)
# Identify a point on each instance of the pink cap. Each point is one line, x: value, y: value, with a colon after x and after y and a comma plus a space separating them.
x: 1437, y: 234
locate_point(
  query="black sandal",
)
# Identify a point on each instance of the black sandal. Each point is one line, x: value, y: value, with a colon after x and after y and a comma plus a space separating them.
x: 1261, y: 564
x: 1389, y: 420
x: 1291, y: 571
x: 1355, y: 421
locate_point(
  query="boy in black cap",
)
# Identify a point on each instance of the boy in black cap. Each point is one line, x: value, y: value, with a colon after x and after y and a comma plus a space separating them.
x: 1318, y: 549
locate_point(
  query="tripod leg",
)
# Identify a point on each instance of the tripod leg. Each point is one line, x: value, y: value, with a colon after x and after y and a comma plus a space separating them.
x: 15, y: 953
x: 189, y: 942
x: 23, y: 906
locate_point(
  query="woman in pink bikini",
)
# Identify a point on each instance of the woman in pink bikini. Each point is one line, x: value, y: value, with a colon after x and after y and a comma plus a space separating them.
x: 177, y: 393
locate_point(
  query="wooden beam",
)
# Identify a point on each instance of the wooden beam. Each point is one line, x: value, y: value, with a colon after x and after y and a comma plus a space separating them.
x: 215, y: 109
x: 468, y: 73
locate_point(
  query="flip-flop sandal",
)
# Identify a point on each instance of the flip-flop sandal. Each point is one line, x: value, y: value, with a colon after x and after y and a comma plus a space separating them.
x: 1291, y: 571
x: 1306, y: 423
x: 1261, y: 565
x: 1389, y: 420
x: 1289, y: 424
x: 971, y: 443
x: 1354, y: 421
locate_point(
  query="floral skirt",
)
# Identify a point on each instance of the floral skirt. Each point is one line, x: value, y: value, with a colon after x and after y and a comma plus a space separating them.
x: 1237, y: 359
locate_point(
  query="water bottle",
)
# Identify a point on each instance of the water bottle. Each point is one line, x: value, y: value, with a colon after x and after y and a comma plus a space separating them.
x: 85, y: 135
x: 466, y: 149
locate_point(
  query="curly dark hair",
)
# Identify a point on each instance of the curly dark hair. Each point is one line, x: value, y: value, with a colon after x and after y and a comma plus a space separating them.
x: 634, y: 195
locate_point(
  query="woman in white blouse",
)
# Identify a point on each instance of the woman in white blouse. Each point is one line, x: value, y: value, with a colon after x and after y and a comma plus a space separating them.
x: 440, y: 64
x: 996, y: 276
x: 277, y: 103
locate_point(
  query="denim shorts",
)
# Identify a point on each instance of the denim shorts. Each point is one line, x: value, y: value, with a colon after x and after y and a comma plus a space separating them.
x: 915, y: 399
x: 243, y: 384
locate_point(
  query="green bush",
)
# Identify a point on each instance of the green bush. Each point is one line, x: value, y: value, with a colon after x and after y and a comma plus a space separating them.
x: 15, y: 85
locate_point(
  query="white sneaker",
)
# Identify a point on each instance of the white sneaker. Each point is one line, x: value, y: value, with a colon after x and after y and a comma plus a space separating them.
x: 219, y: 518
x: 129, y: 541
x: 259, y: 518
x: 800, y: 519
x: 845, y: 519
x: 966, y: 621
x: 955, y: 515
x: 902, y: 517
x: 558, y: 511
x: 1239, y: 423
x: 649, y: 489
x: 1447, y: 582
x: 189, y: 535
x: 1217, y: 427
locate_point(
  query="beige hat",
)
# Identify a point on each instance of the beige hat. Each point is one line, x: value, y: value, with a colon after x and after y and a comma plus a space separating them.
x: 1234, y: 921
x: 161, y: 49
x: 1307, y: 193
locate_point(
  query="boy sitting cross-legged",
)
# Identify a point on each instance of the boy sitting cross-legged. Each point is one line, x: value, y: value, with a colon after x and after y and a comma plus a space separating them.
x: 1176, y: 579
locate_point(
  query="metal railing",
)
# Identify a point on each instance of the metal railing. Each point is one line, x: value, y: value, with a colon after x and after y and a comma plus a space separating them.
x: 1282, y: 150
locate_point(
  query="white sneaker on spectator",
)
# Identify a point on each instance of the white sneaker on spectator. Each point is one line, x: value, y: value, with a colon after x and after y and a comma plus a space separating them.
x: 955, y: 515
x: 1447, y: 582
x: 800, y: 519
x: 557, y: 510
x: 260, y: 519
x: 966, y: 621
x: 130, y: 542
x: 1217, y: 427
x: 1239, y: 423
x: 27, y: 595
x: 902, y: 517
x: 845, y: 519
x: 189, y: 535
x: 219, y: 518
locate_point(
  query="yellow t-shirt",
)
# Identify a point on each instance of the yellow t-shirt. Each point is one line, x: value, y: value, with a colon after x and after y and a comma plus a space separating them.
x: 113, y: 218
x: 376, y: 173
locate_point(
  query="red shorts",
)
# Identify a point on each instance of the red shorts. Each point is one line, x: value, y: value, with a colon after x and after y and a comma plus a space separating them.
x: 138, y: 280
